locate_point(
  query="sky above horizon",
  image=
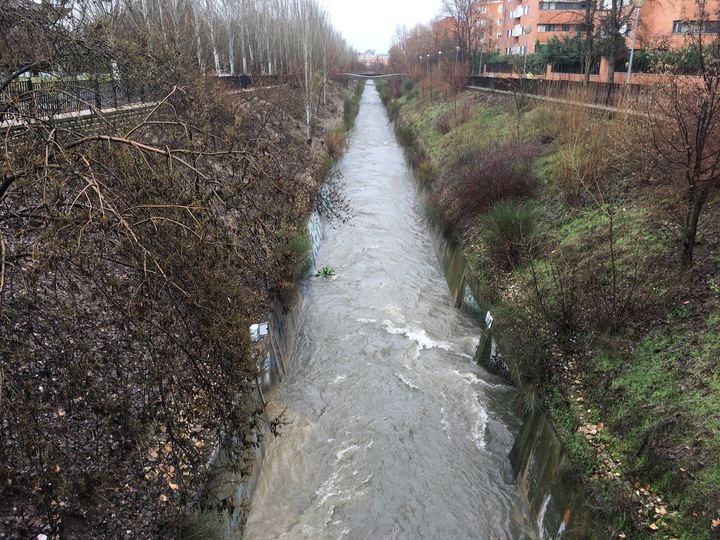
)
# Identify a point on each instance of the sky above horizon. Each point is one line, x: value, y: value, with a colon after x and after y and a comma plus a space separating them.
x: 370, y: 24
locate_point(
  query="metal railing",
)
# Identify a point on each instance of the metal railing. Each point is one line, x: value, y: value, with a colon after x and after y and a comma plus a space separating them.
x: 620, y: 96
x: 24, y: 98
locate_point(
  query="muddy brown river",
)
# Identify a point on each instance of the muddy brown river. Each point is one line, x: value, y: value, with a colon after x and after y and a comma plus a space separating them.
x: 395, y: 432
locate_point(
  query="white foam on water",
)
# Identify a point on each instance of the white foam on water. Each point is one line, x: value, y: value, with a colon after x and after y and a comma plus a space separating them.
x: 445, y: 424
x: 469, y: 378
x: 325, y: 491
x: 419, y: 336
x: 478, y: 412
x: 366, y: 321
x: 541, y: 516
x: 344, y: 451
x: 478, y: 430
x: 472, y: 379
x: 339, y: 378
x: 407, y: 383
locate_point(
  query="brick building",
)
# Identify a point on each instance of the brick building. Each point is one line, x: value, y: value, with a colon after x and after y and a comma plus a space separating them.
x: 663, y: 23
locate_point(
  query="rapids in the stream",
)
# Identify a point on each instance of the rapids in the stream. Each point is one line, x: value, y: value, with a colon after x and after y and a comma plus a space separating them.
x: 395, y: 432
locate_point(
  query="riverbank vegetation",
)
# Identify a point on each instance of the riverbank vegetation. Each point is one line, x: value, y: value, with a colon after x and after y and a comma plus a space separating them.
x: 576, y: 225
x: 136, y: 249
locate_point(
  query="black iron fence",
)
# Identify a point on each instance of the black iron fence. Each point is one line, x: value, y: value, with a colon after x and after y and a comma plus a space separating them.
x: 575, y: 68
x: 621, y: 96
x: 247, y: 81
x: 49, y: 98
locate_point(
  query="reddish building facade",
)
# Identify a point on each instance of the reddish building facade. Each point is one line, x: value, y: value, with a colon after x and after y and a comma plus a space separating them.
x: 663, y: 23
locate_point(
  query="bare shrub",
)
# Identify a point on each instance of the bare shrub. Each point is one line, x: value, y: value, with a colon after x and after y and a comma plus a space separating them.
x: 591, y: 150
x: 335, y: 142
x: 426, y: 170
x: 480, y: 179
x: 451, y: 119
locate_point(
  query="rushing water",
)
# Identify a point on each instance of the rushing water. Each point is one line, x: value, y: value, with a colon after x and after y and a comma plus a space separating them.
x: 395, y: 432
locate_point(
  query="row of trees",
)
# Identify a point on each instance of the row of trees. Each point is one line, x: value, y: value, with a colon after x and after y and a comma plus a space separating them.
x: 127, y: 40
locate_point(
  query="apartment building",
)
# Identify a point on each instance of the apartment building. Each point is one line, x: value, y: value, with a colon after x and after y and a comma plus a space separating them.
x: 517, y: 26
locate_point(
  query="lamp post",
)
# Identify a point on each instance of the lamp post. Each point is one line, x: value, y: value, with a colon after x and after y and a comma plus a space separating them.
x: 526, y: 30
x: 429, y: 76
x: 480, y: 67
x: 638, y: 4
x: 457, y: 55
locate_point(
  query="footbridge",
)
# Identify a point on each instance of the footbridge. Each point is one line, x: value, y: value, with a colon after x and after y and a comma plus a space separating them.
x: 371, y: 75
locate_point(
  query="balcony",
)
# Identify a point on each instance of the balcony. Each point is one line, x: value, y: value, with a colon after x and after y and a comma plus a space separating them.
x: 516, y: 30
x: 517, y: 12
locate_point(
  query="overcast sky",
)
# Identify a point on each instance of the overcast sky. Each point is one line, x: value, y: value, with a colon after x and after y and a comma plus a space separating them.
x: 370, y: 24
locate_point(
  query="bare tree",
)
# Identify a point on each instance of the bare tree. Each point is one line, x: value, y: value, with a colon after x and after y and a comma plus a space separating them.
x: 466, y: 25
x: 684, y: 123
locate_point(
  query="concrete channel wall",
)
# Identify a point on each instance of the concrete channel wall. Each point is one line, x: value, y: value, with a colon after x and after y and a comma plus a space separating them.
x: 230, y: 493
x: 539, y: 462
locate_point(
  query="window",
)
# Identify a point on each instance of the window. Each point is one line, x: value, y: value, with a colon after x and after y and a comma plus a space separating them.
x: 546, y: 6
x: 546, y: 28
x: 565, y: 27
x: 695, y: 27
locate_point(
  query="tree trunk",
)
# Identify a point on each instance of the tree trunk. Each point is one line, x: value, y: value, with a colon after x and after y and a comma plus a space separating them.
x: 216, y: 53
x: 695, y: 206
x: 588, y: 59
x: 231, y: 49
x: 244, y: 55
x: 308, y: 97
x: 611, y: 68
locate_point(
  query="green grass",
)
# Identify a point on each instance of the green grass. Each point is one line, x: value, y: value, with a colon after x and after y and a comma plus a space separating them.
x: 664, y: 402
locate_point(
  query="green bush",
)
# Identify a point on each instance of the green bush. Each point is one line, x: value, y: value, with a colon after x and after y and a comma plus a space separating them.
x: 298, y: 249
x: 406, y: 136
x: 393, y: 110
x: 509, y: 230
x: 383, y: 89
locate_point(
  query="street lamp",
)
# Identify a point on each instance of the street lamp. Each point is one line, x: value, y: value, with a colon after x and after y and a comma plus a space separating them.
x: 454, y: 88
x: 526, y: 30
x: 429, y: 76
x: 457, y: 55
x: 638, y: 4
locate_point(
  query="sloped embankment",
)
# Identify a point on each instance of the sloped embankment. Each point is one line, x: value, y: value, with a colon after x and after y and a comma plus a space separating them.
x: 134, y: 259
